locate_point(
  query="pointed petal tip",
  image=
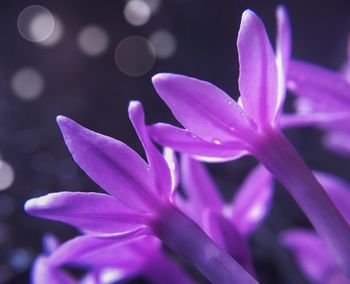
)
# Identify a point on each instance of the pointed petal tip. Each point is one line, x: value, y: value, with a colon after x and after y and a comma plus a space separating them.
x: 160, y: 77
x: 134, y: 104
x: 136, y: 113
x: 65, y: 123
x: 281, y: 9
x: 248, y: 14
x: 30, y: 205
x: 61, y: 120
x: 164, y: 78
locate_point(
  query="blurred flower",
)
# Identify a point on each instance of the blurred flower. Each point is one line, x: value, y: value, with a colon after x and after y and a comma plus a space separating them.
x: 229, y: 225
x: 307, y: 247
x: 121, y: 261
x: 43, y: 271
x: 323, y: 101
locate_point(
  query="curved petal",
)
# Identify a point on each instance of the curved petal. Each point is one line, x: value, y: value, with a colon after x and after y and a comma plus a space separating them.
x: 183, y: 141
x: 225, y: 235
x: 323, y: 86
x: 314, y: 119
x: 200, y: 189
x: 202, y: 108
x: 111, y: 164
x: 258, y: 72
x: 92, y: 212
x: 338, y: 190
x: 310, y: 253
x: 253, y: 201
x: 83, y: 250
x: 43, y: 273
x: 283, y: 54
x: 156, y: 161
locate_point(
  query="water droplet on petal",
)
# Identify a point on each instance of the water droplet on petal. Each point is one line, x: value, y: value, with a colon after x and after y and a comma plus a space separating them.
x: 230, y: 102
x: 216, y: 141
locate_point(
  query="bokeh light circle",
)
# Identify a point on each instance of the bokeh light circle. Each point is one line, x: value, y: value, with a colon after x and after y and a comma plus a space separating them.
x: 7, y: 175
x: 27, y: 84
x: 93, y: 40
x: 35, y: 23
x: 134, y: 56
x: 164, y: 43
x: 137, y: 12
x: 56, y: 34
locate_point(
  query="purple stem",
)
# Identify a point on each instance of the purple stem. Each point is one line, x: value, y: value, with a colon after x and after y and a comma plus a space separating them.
x: 274, y: 151
x: 162, y: 269
x: 188, y: 240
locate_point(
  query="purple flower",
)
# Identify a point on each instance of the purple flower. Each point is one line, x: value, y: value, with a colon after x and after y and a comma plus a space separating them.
x: 322, y: 101
x: 307, y: 247
x: 218, y: 128
x: 229, y: 225
x: 140, y: 201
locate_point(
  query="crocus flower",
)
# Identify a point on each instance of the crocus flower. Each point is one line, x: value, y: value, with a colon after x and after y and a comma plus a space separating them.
x: 217, y: 127
x: 140, y: 201
x: 228, y: 224
x: 322, y: 101
x: 307, y: 247
x: 43, y: 271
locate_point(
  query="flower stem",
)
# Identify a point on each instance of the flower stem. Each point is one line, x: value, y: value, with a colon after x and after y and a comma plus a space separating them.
x: 163, y: 269
x: 188, y: 240
x: 282, y: 160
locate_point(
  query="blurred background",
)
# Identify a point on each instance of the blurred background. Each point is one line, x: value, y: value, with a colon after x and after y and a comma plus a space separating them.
x: 88, y: 59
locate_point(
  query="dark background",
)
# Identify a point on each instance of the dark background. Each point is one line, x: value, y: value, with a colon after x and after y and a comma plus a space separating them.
x: 94, y: 92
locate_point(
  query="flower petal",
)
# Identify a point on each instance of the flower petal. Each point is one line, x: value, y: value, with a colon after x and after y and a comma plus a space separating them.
x: 328, y: 120
x: 338, y: 190
x: 252, y: 201
x: 183, y: 141
x: 322, y: 86
x: 226, y: 236
x: 310, y: 253
x: 284, y: 37
x: 83, y: 250
x: 91, y: 212
x: 258, y: 72
x: 43, y: 273
x: 111, y: 164
x: 202, y: 108
x: 283, y: 54
x: 156, y: 161
x: 200, y: 189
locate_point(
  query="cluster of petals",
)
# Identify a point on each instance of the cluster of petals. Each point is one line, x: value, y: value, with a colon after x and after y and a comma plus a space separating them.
x: 228, y: 224
x: 118, y: 228
x: 322, y: 100
x: 216, y: 127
